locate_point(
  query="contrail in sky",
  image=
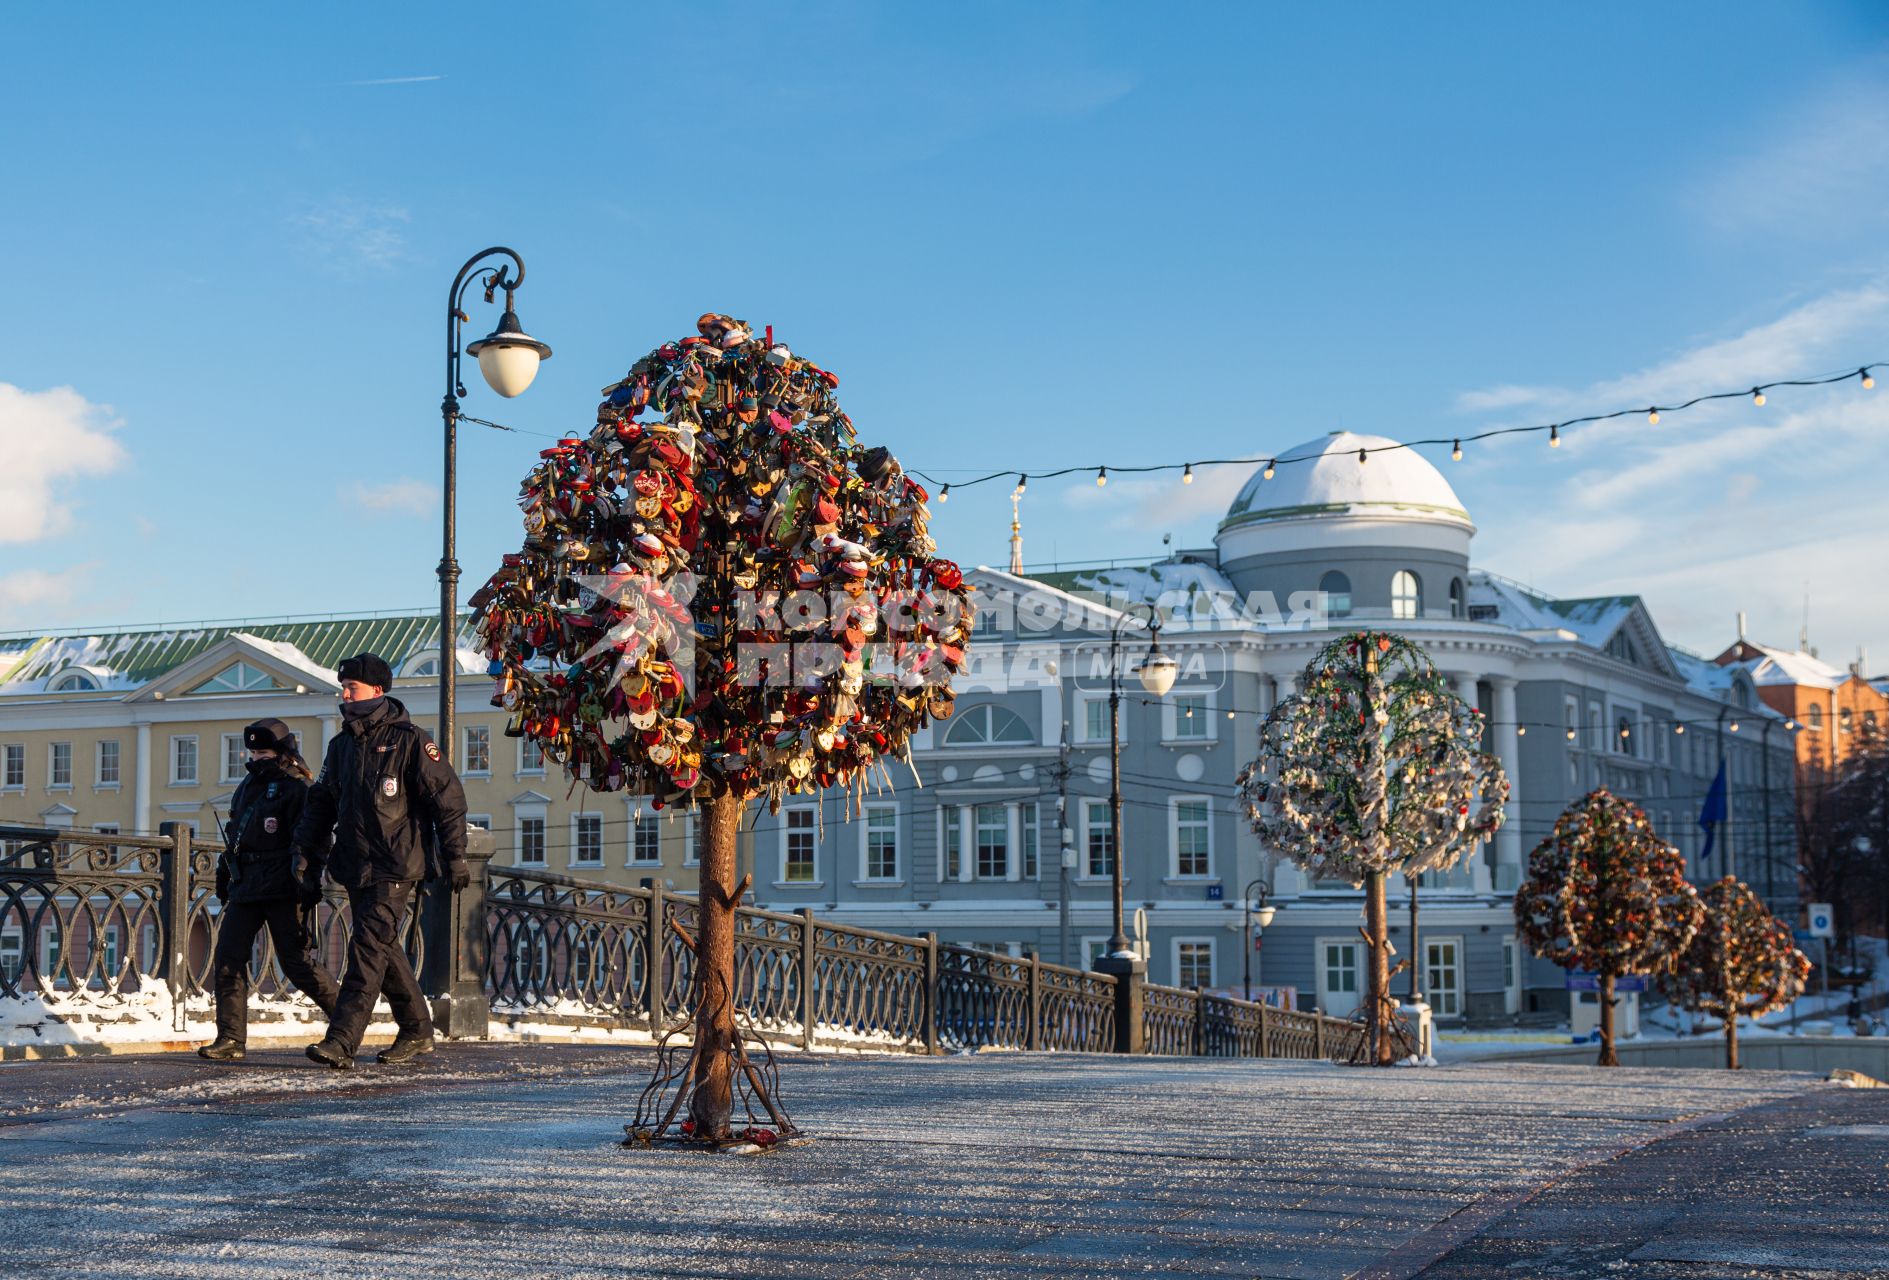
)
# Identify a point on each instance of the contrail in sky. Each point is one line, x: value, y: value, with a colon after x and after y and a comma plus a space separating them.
x: 392, y: 80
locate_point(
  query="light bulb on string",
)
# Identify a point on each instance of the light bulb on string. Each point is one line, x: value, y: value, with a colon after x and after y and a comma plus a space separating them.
x: 1022, y: 483
x: 1757, y: 396
x: 1554, y: 437
x: 1652, y: 417
x: 1187, y: 474
x: 1456, y: 451
x: 1869, y: 379
x: 1734, y: 726
x: 1521, y: 731
x: 1363, y: 457
x: 1231, y: 714
x: 1267, y: 473
x: 1101, y: 476
x: 1679, y: 728
x: 1570, y: 735
x: 944, y: 494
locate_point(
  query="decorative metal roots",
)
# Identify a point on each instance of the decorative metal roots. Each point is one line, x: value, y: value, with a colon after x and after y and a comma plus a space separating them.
x: 665, y: 1101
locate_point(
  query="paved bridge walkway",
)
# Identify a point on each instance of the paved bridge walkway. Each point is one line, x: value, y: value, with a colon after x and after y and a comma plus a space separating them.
x: 503, y: 1161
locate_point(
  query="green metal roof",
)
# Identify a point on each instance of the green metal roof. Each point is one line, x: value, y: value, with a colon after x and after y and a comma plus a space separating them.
x: 136, y: 656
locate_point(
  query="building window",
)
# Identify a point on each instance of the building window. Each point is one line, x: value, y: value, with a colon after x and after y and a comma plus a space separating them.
x: 105, y: 828
x: 1406, y: 595
x: 483, y: 821
x: 988, y: 725
x: 1193, y: 844
x: 950, y: 842
x: 59, y: 766
x: 1193, y: 963
x: 1816, y: 718
x: 74, y: 682
x: 108, y: 939
x: 478, y: 753
x: 993, y: 842
x: 232, y: 758
x: 1337, y: 589
x: 13, y: 767
x: 691, y: 845
x: 1190, y: 717
x: 49, y: 956
x: 587, y: 840
x: 882, y: 842
x: 1869, y: 723
x: 107, y: 762
x: 239, y: 677
x: 1623, y: 735
x: 1341, y: 968
x: 531, y: 841
x: 797, y: 856
x: 1594, y: 729
x: 1844, y: 721
x: 184, y: 761
x: 1026, y: 825
x: 530, y: 756
x: 1458, y: 606
x: 1443, y: 976
x: 1095, y: 720
x: 645, y: 838
x: 1099, y: 837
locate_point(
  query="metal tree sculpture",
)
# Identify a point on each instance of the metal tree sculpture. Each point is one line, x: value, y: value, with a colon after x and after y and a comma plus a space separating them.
x: 728, y: 599
x: 1741, y: 962
x: 1373, y: 767
x: 1605, y: 894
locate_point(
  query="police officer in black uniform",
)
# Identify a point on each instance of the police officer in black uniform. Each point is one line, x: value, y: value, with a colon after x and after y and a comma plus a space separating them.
x: 395, y: 814
x: 256, y: 884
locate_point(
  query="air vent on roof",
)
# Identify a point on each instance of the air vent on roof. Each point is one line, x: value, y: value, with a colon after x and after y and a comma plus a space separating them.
x: 1483, y: 612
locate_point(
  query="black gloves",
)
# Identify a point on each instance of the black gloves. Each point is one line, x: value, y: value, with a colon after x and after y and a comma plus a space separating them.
x: 309, y: 892
x: 459, y: 874
x: 222, y: 880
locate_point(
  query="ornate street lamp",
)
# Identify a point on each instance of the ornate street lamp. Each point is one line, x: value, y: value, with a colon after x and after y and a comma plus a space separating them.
x: 509, y: 359
x: 1257, y: 913
x: 1157, y: 675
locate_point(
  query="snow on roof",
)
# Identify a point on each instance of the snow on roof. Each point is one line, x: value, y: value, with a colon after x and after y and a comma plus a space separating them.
x: 1702, y: 675
x: 289, y: 656
x: 1784, y: 667
x: 1323, y: 476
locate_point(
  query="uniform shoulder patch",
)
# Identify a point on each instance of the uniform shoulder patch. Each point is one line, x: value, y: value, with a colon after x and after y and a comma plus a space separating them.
x: 432, y: 750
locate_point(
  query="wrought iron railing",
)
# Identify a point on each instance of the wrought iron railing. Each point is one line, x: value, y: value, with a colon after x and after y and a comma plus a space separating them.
x: 86, y: 915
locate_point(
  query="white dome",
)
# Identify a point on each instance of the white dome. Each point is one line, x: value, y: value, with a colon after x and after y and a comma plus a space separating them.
x: 1396, y: 484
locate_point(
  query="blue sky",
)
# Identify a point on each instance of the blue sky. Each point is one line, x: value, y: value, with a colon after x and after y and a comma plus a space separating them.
x: 1024, y: 236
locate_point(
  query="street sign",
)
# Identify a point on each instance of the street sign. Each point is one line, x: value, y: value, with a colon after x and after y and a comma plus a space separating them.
x: 1580, y: 980
x: 1215, y: 892
x: 1823, y: 920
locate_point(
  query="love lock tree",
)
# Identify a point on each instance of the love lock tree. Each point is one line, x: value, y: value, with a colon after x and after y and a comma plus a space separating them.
x: 1373, y: 767
x: 1741, y: 962
x: 722, y: 597
x: 1605, y: 894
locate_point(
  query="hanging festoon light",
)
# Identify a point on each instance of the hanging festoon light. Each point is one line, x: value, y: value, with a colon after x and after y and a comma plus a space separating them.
x: 944, y: 494
x: 1554, y: 437
x: 1456, y: 451
x: 1101, y: 476
x: 1869, y: 380
x: 1363, y: 457
x: 1757, y: 396
x: 1652, y: 417
x: 1023, y: 483
x: 1270, y: 464
x: 1187, y: 475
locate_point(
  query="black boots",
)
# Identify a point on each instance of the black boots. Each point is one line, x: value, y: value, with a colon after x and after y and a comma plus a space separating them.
x: 331, y: 1054
x: 406, y: 1048
x: 222, y: 1049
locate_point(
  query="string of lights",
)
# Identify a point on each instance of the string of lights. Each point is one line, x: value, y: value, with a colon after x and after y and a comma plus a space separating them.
x: 1521, y: 727
x: 1864, y: 374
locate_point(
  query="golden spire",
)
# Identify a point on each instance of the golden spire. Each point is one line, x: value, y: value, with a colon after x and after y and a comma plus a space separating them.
x: 1016, y: 535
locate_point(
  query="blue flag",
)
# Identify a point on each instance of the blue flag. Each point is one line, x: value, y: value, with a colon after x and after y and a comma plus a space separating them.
x: 1711, y: 814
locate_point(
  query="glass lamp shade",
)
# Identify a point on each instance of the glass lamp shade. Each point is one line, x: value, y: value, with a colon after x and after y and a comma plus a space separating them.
x: 1158, y: 673
x: 508, y: 356
x: 1262, y: 916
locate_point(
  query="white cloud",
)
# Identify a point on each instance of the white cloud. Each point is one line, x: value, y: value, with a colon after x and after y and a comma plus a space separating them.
x: 347, y: 234
x: 1160, y: 502
x: 40, y: 597
x: 52, y: 441
x: 1492, y: 399
x: 402, y: 497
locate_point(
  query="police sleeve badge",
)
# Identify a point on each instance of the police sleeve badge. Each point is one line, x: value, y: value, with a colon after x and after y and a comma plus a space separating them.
x: 432, y: 751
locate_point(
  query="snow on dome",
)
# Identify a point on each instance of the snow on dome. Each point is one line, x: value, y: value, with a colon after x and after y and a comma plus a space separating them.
x: 1395, y: 483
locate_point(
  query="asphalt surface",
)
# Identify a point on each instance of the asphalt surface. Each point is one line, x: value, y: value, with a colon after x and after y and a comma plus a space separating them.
x: 505, y: 1161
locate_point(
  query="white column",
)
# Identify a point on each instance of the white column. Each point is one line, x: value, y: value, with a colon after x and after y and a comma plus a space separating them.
x: 141, y: 784
x: 1508, y: 841
x: 1480, y: 878
x: 329, y: 725
x: 967, y: 842
x: 1013, y: 846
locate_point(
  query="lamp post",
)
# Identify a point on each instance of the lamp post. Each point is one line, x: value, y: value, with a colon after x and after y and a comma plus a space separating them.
x: 1260, y: 914
x: 1157, y: 677
x: 509, y: 359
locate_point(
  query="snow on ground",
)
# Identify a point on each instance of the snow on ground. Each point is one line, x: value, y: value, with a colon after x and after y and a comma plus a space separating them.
x: 491, y: 1160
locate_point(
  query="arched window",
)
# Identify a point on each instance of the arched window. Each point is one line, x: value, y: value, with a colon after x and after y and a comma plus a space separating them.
x: 75, y: 682
x: 238, y: 677
x: 1816, y: 718
x: 1406, y: 595
x: 1337, y: 589
x: 987, y: 725
x: 1458, y: 606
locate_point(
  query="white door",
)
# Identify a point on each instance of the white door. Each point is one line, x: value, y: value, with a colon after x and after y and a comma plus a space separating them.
x: 1443, y: 977
x: 1340, y: 975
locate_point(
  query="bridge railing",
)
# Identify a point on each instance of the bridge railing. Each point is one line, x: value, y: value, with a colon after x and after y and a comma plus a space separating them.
x: 91, y: 917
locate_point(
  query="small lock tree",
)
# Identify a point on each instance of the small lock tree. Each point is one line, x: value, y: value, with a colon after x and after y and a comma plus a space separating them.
x: 1741, y: 963
x: 1604, y: 893
x: 1373, y: 767
x: 723, y: 597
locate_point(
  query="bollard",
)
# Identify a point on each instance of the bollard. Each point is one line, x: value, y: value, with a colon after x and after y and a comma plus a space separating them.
x: 174, y: 865
x: 1130, y: 973
x: 457, y: 947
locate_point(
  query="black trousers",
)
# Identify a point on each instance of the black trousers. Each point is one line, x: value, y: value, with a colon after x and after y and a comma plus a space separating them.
x: 377, y: 966
x: 242, y: 921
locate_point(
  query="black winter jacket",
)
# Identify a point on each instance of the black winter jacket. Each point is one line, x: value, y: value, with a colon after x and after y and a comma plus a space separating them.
x: 263, y: 817
x: 391, y: 807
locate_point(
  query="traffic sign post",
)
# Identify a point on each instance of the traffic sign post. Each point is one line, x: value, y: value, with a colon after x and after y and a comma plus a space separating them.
x: 1823, y: 924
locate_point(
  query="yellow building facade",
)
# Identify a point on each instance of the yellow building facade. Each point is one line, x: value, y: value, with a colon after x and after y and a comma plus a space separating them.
x: 125, y: 731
